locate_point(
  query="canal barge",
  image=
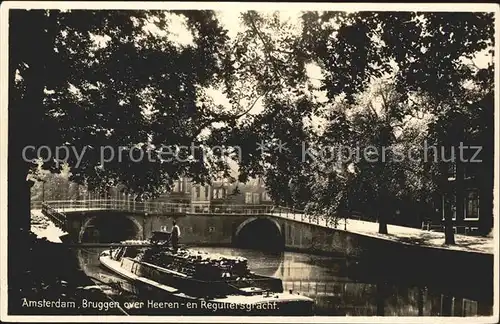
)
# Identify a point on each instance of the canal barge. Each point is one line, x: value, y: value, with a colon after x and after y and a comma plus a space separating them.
x: 199, y: 282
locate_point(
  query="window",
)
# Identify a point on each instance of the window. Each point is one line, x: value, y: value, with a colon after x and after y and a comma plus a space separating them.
x: 470, y: 170
x: 176, y: 186
x: 266, y: 197
x: 448, y: 204
x: 452, y: 169
x: 252, y: 198
x: 197, y: 192
x: 95, y: 235
x: 181, y: 185
x: 207, y: 191
x: 218, y: 193
x: 471, y: 204
x: 131, y: 252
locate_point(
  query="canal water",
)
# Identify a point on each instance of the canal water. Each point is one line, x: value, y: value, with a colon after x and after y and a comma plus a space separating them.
x: 327, y: 280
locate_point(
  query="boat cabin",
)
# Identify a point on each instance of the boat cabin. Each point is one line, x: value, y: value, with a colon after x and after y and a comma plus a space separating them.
x: 188, y: 275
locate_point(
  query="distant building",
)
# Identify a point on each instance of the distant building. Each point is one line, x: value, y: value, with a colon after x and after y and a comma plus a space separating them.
x: 201, y: 197
x: 255, y: 193
x: 227, y: 197
x: 469, y: 197
x: 218, y: 196
x: 468, y: 200
x: 181, y: 192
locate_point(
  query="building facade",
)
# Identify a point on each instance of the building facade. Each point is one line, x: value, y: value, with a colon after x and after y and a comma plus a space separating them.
x: 219, y: 196
x: 468, y: 193
x: 224, y: 196
x: 469, y: 201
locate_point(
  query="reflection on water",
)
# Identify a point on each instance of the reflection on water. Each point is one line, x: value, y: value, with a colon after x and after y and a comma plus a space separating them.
x: 327, y: 280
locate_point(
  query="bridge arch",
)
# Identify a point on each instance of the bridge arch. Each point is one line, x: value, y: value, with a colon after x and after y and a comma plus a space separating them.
x: 261, y: 233
x: 138, y: 228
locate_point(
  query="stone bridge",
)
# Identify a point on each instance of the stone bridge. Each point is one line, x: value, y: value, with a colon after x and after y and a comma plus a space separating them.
x: 251, y: 226
x: 278, y: 229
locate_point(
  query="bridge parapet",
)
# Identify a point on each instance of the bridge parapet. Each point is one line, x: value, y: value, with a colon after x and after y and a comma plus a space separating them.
x: 58, y: 209
x: 217, y: 224
x: 165, y: 208
x: 57, y: 217
x: 63, y: 206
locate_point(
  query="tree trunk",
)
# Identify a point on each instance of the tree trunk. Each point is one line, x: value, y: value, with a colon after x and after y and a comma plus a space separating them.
x: 381, y: 295
x: 447, y: 192
x: 382, y: 222
x: 381, y: 213
x: 26, y: 112
x: 447, y: 306
x: 18, y: 222
x: 420, y: 301
x: 459, y: 192
x: 19, y: 201
x: 449, y: 234
x: 382, y: 227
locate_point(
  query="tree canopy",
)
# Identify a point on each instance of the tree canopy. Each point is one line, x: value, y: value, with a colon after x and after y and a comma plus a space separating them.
x: 90, y: 79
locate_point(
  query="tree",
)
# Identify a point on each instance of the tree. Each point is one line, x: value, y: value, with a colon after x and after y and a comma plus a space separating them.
x: 429, y: 52
x: 116, y: 82
x: 270, y: 74
x: 426, y: 54
x: 92, y: 79
x: 371, y: 174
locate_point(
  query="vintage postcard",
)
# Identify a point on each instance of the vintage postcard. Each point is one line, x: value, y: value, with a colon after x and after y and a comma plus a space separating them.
x: 249, y: 162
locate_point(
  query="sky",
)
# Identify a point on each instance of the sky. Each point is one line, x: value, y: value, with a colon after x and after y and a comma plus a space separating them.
x: 231, y: 21
x: 178, y: 33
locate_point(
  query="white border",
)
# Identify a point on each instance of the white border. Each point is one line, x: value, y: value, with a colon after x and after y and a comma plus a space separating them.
x: 455, y: 7
x: 261, y: 6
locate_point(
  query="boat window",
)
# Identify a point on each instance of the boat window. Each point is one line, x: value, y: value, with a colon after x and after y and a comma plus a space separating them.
x: 131, y: 252
x: 118, y: 253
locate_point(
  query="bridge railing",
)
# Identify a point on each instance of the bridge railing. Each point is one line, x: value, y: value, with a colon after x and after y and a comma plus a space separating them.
x: 159, y: 207
x: 36, y: 204
x: 57, y: 217
x: 59, y: 207
x: 166, y: 207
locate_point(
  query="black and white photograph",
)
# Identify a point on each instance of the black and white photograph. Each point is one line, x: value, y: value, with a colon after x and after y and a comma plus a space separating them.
x: 249, y: 162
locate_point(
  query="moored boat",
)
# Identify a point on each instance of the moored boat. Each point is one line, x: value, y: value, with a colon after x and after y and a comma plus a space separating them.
x: 209, y: 283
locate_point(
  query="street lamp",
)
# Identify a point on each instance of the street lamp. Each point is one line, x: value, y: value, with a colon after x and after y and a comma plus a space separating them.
x: 43, y: 190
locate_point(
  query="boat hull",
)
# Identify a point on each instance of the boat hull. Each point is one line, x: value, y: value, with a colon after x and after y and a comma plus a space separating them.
x: 167, y: 300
